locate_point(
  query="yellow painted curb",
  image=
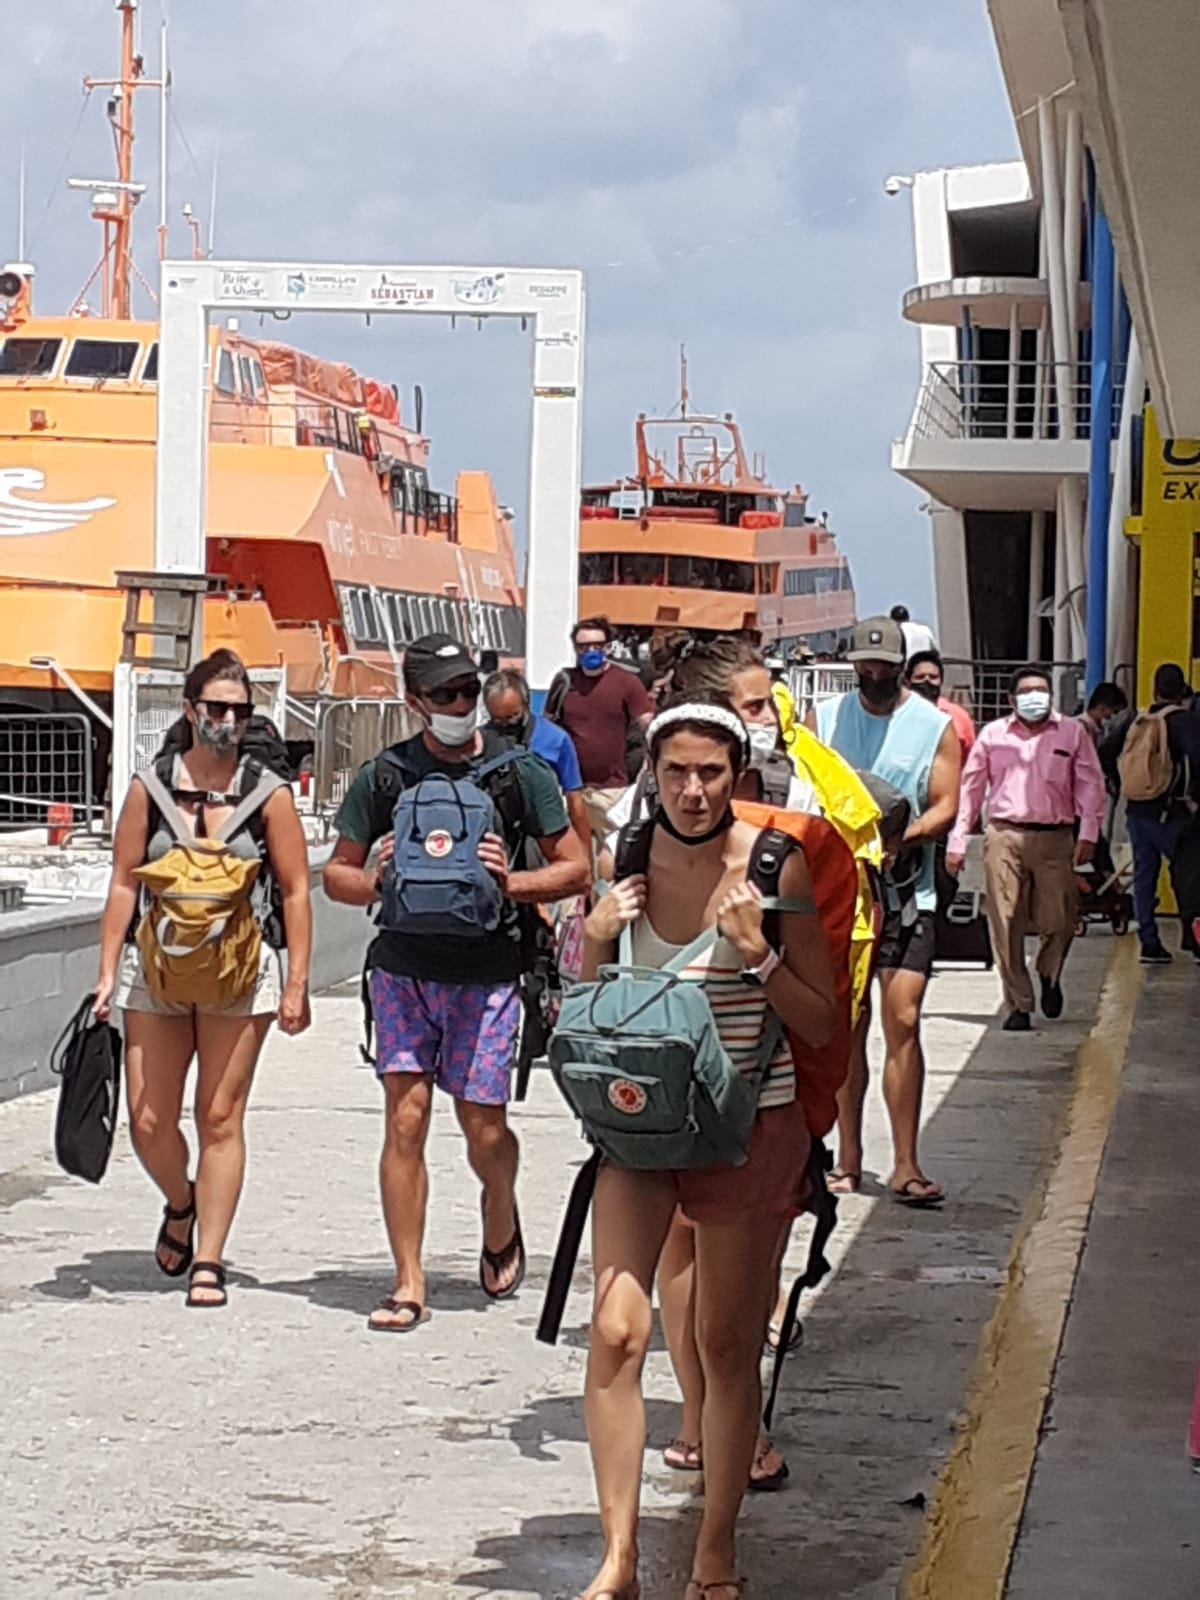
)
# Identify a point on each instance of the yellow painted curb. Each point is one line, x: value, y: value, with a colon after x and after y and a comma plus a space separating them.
x: 972, y: 1523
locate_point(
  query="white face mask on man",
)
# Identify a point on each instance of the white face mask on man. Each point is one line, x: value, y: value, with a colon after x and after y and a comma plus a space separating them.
x: 1033, y: 705
x: 452, y: 731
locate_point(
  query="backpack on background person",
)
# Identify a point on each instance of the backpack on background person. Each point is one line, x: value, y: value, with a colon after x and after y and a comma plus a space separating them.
x: 1146, y: 765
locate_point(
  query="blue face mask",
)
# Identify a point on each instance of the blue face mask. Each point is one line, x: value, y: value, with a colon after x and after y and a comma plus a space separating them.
x: 591, y: 659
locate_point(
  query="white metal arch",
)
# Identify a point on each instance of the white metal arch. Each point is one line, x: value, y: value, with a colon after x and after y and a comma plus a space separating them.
x: 551, y: 299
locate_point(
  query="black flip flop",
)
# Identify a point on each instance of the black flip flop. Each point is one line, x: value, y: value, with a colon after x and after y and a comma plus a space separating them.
x: 499, y: 1259
x: 184, y: 1251
x: 215, y: 1271
x: 916, y: 1202
x: 417, y: 1312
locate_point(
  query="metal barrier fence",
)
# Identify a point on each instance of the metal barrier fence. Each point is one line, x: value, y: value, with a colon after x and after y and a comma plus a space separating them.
x: 809, y: 685
x: 45, y: 761
x: 347, y: 733
x: 983, y: 686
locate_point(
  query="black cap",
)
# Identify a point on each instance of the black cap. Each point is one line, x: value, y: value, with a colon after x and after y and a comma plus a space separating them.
x: 435, y: 660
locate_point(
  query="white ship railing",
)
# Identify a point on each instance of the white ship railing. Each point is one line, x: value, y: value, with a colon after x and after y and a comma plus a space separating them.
x: 1007, y: 400
x: 820, y: 680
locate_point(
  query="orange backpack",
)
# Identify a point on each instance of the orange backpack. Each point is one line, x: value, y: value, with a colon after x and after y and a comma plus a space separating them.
x: 820, y: 1073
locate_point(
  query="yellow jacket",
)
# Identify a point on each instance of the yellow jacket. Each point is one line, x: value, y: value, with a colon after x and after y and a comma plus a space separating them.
x: 847, y: 804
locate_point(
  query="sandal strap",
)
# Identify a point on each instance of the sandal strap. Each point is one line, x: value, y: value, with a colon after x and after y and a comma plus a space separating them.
x: 186, y: 1215
x: 214, y: 1268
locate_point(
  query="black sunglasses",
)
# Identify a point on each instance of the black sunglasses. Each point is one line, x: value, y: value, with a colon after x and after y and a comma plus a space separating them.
x: 217, y: 709
x: 450, y: 692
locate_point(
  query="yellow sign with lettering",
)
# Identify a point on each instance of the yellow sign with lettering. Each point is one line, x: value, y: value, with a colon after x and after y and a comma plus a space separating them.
x: 1169, y: 585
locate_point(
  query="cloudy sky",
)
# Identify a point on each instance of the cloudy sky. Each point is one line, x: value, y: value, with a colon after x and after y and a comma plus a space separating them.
x: 716, y: 166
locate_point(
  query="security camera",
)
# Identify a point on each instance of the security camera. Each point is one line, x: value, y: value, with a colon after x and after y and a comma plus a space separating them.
x: 895, y: 183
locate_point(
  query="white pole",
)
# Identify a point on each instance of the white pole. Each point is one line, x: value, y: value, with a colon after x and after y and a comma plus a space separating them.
x: 1041, y: 379
x: 1076, y: 574
x: 163, y: 141
x: 21, y: 206
x: 1073, y: 225
x: 1037, y: 562
x: 1122, y: 601
x: 212, y: 204
x: 1062, y: 622
x: 1014, y: 370
x: 1052, y: 222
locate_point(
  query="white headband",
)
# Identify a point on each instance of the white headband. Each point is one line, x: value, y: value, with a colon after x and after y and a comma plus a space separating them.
x: 717, y: 715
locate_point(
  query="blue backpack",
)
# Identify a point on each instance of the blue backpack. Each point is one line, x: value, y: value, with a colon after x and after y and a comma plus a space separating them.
x: 435, y: 884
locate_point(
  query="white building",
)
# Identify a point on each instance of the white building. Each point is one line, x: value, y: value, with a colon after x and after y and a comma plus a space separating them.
x: 1012, y: 262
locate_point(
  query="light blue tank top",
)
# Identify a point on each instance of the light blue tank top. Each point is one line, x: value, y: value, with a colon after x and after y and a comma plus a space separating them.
x: 899, y: 749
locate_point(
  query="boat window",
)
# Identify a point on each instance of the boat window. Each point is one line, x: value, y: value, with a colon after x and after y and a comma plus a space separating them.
x: 28, y: 358
x: 226, y: 379
x: 597, y: 568
x: 700, y: 572
x: 370, y: 616
x: 794, y: 513
x: 642, y: 570
x: 101, y: 358
x: 354, y: 606
x: 768, y: 577
x: 150, y: 370
x: 813, y: 580
x: 251, y: 374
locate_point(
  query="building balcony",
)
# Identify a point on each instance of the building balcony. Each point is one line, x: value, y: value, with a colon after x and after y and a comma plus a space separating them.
x: 999, y: 436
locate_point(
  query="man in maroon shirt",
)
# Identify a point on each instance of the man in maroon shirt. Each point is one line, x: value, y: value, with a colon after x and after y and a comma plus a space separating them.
x: 597, y: 703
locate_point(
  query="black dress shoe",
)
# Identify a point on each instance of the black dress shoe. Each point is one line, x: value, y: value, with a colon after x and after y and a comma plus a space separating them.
x: 1052, y: 999
x: 1017, y: 1022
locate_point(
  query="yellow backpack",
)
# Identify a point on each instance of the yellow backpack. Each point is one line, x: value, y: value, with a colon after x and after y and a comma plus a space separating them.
x: 201, y: 937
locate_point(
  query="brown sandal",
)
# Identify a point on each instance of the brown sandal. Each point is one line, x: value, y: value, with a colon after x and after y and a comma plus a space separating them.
x: 184, y: 1251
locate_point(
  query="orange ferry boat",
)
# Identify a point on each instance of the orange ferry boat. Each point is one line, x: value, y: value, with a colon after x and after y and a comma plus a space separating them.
x: 327, y: 550
x: 699, y: 539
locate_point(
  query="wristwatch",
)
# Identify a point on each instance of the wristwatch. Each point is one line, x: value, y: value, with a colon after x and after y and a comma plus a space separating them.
x: 757, y: 976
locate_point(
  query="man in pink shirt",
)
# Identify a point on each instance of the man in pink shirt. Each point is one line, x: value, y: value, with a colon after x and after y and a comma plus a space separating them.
x: 1039, y: 774
x: 926, y: 673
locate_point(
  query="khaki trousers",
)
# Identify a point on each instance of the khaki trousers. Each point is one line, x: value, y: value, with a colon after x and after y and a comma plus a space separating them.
x: 1030, y: 889
x: 598, y: 803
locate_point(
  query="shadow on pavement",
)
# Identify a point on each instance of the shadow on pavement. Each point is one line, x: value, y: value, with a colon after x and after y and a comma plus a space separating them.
x: 120, y: 1272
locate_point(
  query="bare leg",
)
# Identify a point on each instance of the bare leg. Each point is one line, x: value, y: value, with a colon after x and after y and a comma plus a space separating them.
x: 493, y: 1154
x: 404, y: 1184
x: 735, y: 1264
x: 677, y: 1305
x: 901, y: 995
x: 631, y: 1214
x: 851, y: 1099
x: 227, y: 1052
x: 158, y: 1052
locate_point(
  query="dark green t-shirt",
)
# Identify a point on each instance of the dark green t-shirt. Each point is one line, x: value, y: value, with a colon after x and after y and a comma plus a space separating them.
x: 365, y: 816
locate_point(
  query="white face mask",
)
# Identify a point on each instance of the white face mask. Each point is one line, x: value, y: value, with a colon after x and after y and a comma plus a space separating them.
x: 1033, y: 706
x: 764, y: 741
x: 452, y: 731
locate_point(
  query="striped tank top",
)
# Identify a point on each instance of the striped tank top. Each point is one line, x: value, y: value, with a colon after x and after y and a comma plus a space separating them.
x: 740, y: 1011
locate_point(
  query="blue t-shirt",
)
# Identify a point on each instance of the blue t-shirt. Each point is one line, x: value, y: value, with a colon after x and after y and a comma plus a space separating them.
x: 899, y: 749
x: 556, y: 749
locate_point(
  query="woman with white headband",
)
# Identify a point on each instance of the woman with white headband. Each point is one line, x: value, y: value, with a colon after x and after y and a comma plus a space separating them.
x: 696, y: 878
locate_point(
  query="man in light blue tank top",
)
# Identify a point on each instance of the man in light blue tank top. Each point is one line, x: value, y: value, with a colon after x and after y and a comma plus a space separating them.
x: 883, y: 728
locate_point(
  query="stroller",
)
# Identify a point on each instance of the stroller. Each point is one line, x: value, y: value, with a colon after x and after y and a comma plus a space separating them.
x: 1103, y: 896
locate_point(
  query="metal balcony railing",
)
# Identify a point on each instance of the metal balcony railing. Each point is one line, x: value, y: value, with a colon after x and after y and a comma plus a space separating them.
x: 1006, y: 400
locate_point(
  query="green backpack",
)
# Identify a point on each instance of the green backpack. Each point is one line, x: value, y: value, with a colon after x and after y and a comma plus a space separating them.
x: 637, y: 1058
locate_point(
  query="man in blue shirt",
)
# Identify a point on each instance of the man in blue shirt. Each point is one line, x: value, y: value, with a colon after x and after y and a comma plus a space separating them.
x: 506, y: 701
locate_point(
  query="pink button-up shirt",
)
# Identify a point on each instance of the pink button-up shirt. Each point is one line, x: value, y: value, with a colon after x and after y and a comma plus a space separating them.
x: 1049, y: 774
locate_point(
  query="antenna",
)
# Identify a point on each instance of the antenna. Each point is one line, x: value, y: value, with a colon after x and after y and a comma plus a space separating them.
x: 21, y: 206
x: 212, y: 207
x: 163, y: 143
x: 683, y: 381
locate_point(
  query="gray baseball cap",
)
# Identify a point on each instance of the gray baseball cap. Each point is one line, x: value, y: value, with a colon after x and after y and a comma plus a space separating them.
x: 877, y: 639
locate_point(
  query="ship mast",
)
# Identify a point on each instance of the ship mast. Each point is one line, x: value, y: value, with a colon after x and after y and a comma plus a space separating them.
x: 114, y: 203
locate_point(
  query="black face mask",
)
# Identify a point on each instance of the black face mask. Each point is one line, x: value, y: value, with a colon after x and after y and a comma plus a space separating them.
x: 927, y: 690
x: 880, y: 691
x: 664, y: 822
x: 513, y: 733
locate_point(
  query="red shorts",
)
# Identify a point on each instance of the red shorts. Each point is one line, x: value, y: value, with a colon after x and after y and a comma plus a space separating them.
x: 771, y: 1184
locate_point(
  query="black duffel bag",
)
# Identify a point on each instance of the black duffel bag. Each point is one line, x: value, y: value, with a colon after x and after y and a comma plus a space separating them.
x: 87, y: 1058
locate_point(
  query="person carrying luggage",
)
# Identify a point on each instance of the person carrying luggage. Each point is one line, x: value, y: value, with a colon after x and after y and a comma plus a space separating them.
x: 694, y: 915
x: 443, y: 974
x: 209, y: 842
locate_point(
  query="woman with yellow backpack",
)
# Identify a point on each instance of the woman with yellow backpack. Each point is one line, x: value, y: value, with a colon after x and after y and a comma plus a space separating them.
x: 209, y: 883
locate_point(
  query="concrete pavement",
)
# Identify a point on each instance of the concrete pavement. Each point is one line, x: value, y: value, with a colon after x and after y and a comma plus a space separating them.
x: 278, y: 1449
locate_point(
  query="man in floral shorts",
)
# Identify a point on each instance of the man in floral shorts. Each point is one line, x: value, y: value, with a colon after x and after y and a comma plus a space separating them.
x: 447, y: 1010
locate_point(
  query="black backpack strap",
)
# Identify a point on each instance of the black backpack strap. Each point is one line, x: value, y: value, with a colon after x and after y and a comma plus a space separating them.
x: 776, y: 778
x: 390, y: 776
x: 560, y: 687
x: 631, y: 856
x: 567, y: 1252
x: 823, y: 1205
x: 364, y: 1048
x: 764, y: 870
